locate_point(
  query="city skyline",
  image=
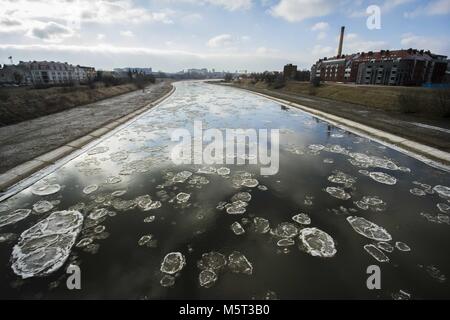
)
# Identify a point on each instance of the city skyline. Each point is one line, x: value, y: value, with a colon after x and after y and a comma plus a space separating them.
x: 172, y: 35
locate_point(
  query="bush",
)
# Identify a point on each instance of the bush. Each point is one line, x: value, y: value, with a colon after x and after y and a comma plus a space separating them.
x: 40, y: 86
x: 67, y: 85
x: 67, y: 89
x: 409, y: 102
x: 312, y: 90
x: 442, y: 102
x: 141, y: 80
x: 91, y: 85
x: 140, y: 84
x: 4, y: 95
x: 228, y: 77
x: 315, y: 82
x: 151, y: 79
x: 303, y: 75
x: 279, y: 83
x: 111, y: 81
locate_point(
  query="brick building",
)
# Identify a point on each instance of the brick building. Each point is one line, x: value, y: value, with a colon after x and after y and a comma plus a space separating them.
x: 399, y: 67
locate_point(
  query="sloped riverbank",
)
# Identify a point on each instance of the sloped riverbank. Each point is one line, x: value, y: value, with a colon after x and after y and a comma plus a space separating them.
x: 29, y: 139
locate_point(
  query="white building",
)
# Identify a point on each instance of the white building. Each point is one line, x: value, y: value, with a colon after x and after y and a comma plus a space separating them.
x: 86, y: 74
x: 202, y: 72
x: 45, y: 73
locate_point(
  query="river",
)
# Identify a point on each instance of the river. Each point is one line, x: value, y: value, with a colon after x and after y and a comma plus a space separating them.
x: 338, y: 204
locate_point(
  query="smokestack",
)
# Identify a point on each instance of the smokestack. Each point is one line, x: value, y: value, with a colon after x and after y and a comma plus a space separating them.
x: 341, y: 41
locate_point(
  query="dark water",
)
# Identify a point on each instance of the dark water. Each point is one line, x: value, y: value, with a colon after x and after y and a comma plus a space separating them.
x: 115, y: 266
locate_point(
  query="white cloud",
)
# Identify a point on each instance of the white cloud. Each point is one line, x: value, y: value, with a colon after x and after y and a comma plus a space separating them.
x: 54, y: 21
x: 230, y: 5
x: 351, y: 36
x: 8, y: 22
x: 433, y: 8
x: 320, y: 51
x: 266, y: 3
x: 299, y: 10
x: 109, y: 57
x: 439, y: 7
x: 321, y: 35
x: 127, y: 33
x: 438, y: 45
x: 386, y: 7
x: 222, y: 41
x: 266, y: 51
x: 115, y: 11
x: 191, y: 18
x: 320, y: 26
x: 51, y: 31
x: 23, y: 15
x: 10, y: 25
x: 353, y: 43
x: 357, y: 11
x: 390, y: 5
x: 100, y: 36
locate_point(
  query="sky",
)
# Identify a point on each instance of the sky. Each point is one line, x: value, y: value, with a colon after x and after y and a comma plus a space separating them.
x: 230, y: 35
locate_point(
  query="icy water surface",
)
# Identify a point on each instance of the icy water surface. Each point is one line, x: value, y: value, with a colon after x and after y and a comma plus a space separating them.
x: 141, y: 227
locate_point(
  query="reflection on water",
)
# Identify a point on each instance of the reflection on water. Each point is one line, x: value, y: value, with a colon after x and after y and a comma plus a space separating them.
x: 140, y: 227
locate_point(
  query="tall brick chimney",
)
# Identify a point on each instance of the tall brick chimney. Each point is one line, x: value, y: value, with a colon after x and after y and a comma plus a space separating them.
x: 341, y: 41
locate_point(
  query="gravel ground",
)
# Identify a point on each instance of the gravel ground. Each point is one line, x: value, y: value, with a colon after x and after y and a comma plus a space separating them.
x: 29, y: 139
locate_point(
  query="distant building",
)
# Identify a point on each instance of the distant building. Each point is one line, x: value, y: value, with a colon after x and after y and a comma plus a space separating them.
x: 289, y: 72
x: 398, y: 67
x: 45, y: 73
x: 200, y: 72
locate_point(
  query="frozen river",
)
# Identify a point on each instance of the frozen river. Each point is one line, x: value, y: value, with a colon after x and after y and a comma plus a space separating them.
x: 139, y: 226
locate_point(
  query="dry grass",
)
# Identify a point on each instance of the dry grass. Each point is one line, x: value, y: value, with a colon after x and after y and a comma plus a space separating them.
x: 398, y: 99
x: 19, y: 104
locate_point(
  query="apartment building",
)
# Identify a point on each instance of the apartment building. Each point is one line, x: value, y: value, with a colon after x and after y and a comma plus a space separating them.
x: 398, y: 67
x: 45, y: 73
